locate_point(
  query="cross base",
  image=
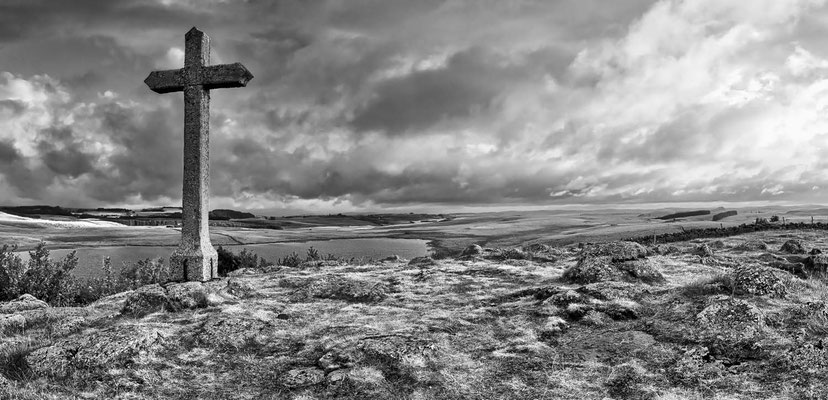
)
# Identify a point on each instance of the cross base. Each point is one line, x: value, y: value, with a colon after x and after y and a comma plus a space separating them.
x: 199, y: 264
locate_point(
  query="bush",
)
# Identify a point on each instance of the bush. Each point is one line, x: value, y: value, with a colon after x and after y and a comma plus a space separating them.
x: 292, y: 260
x: 313, y: 255
x: 228, y: 261
x: 11, y: 273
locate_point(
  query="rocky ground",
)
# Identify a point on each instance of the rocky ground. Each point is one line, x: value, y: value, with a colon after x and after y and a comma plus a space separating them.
x: 741, y: 318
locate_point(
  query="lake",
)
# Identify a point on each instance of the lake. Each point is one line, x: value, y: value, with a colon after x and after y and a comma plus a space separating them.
x: 90, y: 259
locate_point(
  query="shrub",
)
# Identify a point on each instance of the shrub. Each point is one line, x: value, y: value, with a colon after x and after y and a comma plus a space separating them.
x: 145, y: 272
x: 292, y: 260
x: 47, y: 280
x: 228, y: 261
x: 11, y: 273
x: 313, y: 255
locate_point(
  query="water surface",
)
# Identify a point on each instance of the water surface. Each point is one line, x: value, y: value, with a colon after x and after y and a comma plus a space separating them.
x: 90, y: 259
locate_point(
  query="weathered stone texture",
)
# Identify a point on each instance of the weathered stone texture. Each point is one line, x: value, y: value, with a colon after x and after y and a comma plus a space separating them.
x: 196, y: 259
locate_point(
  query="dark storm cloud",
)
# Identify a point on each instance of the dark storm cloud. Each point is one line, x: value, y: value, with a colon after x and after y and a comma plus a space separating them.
x: 470, y: 82
x: 62, y: 153
x: 147, y: 159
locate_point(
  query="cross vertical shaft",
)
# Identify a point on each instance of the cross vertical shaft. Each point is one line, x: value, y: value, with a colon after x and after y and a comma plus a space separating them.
x: 195, y: 259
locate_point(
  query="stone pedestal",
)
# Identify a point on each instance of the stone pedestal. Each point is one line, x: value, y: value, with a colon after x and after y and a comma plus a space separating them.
x: 194, y: 264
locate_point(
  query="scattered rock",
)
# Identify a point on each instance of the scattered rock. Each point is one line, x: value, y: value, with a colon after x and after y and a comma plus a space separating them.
x: 752, y: 245
x: 185, y: 296
x: 554, y: 326
x: 792, y: 246
x: 472, y: 250
x: 641, y: 271
x: 23, y: 303
x: 338, y: 287
x: 116, y: 347
x: 599, y: 269
x: 240, y: 289
x: 664, y: 249
x: 302, y: 377
x: 815, y: 251
x: 816, y: 265
x: 145, y: 300
x: 536, y: 248
x: 703, y: 250
x: 591, y: 269
x: 339, y: 358
x: 510, y: 254
x: 392, y: 258
x: 731, y: 327
x: 616, y: 251
x: 422, y: 262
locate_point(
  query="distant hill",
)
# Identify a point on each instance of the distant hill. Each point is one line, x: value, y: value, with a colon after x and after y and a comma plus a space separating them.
x: 223, y: 214
x: 685, y: 214
x: 29, y: 211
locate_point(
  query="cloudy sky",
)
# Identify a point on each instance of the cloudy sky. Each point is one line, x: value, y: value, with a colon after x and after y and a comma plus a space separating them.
x: 429, y: 104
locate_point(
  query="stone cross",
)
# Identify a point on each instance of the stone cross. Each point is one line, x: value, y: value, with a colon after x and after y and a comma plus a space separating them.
x: 196, y: 259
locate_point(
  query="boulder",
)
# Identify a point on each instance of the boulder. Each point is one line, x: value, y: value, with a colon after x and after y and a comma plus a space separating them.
x: 816, y: 265
x: 472, y: 251
x: 600, y: 269
x: 185, y: 296
x: 616, y: 251
x: 644, y: 271
x: 731, y: 327
x: 337, y: 287
x: 240, y: 289
x: 25, y: 302
x: 591, y: 269
x: 117, y: 347
x: 392, y: 258
x: 145, y: 300
x: 665, y: 249
x: 703, y: 250
x: 792, y: 246
x: 302, y: 377
x: 536, y: 248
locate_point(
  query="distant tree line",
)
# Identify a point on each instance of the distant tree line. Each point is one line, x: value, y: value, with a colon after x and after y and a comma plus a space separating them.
x: 697, y: 233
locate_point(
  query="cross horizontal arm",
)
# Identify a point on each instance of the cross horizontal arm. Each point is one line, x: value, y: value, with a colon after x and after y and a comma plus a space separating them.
x: 225, y: 76
x: 171, y: 80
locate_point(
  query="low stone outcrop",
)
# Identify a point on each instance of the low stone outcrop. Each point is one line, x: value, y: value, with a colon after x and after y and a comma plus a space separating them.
x: 145, y: 300
x: 25, y: 302
x: 600, y: 269
x: 752, y: 245
x: 792, y: 246
x: 759, y: 281
x: 616, y: 251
